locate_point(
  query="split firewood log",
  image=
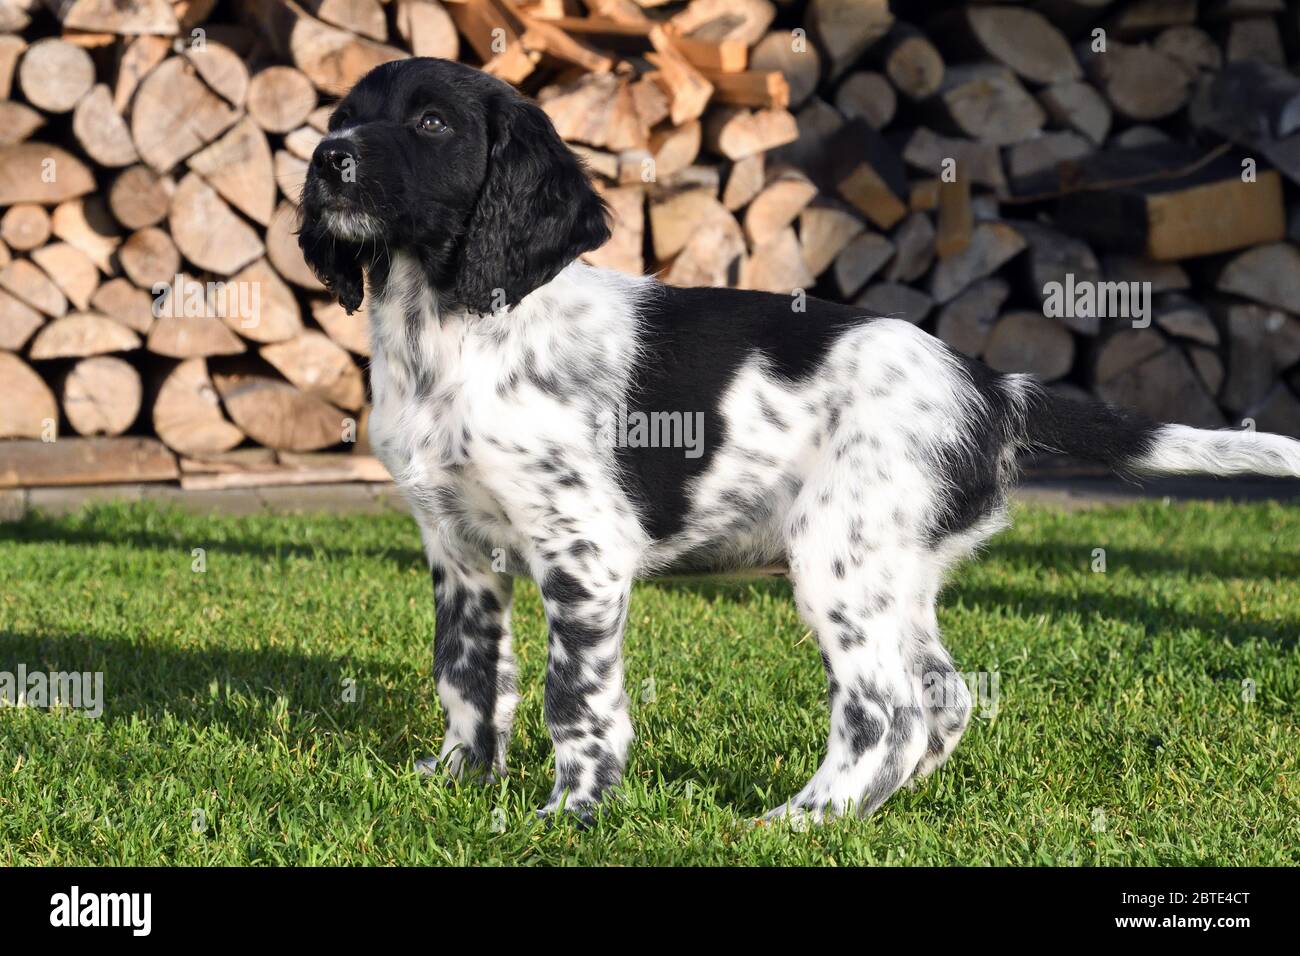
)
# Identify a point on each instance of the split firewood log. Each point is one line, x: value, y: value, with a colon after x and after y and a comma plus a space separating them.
x: 737, y: 133
x: 187, y: 413
x: 895, y: 300
x: 332, y: 58
x: 222, y: 69
x: 744, y: 181
x: 207, y: 232
x: 844, y: 29
x: 283, y: 251
x: 239, y: 167
x: 149, y: 257
x: 71, y: 270
x: 1078, y: 106
x: 825, y: 229
x: 914, y: 249
x: 627, y: 231
x: 912, y: 63
x: 141, y: 55
x: 426, y: 29
x: 88, y: 225
x: 135, y: 16
x: 101, y: 396
x: 794, y: 58
x: 18, y: 321
x: 41, y: 173
x: 81, y: 335
x: 1021, y: 39
x: 316, y: 365
x: 869, y: 96
x: 986, y: 102
x: 1269, y: 274
x: 786, y: 194
x: 859, y: 261
x: 101, y: 131
x: 966, y: 322
x: 174, y: 114
x: 1140, y: 81
x: 27, y: 282
x: 992, y: 245
x: 29, y: 409
x: 276, y: 415
x: 350, y: 331
x: 17, y: 122
x: 365, y: 17
x: 868, y: 173
x: 259, y: 305
x: 124, y: 302
x: 777, y: 266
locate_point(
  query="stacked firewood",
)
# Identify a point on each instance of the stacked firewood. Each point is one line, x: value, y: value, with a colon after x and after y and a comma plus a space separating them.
x: 998, y: 173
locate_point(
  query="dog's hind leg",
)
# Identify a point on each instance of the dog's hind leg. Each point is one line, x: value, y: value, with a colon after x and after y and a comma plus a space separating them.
x: 945, y: 698
x: 858, y: 584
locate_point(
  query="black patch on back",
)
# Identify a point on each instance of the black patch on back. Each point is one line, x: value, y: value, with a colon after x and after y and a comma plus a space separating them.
x: 694, y: 342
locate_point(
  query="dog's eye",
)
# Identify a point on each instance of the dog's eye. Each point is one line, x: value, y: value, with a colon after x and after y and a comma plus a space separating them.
x: 432, y: 123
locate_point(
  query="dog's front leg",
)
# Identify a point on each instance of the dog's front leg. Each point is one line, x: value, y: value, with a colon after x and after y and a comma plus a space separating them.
x: 473, y: 662
x: 586, y: 706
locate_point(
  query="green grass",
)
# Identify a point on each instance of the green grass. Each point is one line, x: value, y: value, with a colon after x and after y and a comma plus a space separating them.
x: 1121, y: 734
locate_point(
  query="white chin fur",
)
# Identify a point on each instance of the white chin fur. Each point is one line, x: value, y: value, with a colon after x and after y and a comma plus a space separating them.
x: 354, y: 226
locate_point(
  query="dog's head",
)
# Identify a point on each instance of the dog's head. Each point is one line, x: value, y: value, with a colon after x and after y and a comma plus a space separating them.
x: 457, y: 169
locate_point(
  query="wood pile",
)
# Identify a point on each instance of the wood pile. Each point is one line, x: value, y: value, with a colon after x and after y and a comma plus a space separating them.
x: 1105, y: 193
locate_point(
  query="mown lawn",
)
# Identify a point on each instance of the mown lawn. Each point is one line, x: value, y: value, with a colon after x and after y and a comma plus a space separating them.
x: 1145, y: 715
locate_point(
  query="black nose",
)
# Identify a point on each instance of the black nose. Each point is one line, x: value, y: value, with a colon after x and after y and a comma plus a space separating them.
x: 336, y: 160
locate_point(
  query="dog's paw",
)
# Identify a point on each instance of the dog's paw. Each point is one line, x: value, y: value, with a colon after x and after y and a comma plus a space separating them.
x: 794, y: 816
x: 454, y: 768
x: 583, y: 815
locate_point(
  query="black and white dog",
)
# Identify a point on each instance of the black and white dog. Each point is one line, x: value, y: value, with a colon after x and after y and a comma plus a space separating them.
x: 860, y: 452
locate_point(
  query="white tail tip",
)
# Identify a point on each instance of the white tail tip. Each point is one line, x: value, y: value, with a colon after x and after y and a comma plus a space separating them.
x: 1180, y: 450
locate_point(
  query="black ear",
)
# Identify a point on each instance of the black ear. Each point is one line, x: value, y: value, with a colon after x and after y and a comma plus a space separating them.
x: 336, y: 262
x: 535, y: 214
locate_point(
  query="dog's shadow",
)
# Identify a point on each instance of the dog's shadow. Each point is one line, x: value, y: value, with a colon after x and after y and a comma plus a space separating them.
x: 245, y: 694
x: 295, y: 695
x: 39, y: 529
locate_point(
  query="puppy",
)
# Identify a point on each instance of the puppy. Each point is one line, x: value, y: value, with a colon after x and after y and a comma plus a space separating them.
x: 586, y: 428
